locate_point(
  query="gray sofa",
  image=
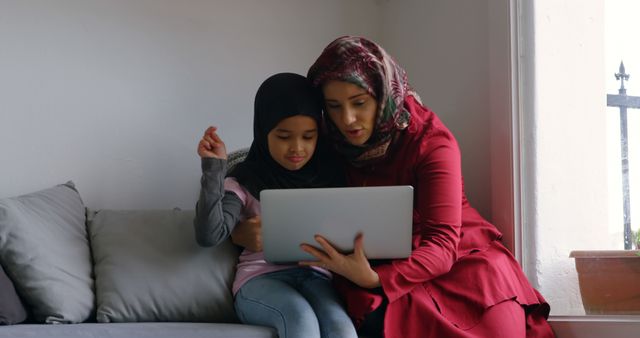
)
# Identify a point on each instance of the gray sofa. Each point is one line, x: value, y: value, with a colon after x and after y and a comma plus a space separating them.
x: 114, y: 273
x: 78, y: 272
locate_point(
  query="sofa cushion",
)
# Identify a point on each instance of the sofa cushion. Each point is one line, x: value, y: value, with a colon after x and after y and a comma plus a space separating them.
x: 45, y: 250
x: 148, y: 267
x: 12, y: 310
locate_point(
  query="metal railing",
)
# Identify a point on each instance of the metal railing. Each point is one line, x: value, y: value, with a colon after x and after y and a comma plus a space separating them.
x: 623, y: 101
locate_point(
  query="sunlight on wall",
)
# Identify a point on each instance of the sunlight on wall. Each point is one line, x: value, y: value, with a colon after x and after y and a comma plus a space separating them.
x: 568, y: 198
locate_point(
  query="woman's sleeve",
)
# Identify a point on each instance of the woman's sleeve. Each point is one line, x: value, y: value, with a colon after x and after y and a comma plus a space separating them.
x: 438, y: 204
x: 217, y: 210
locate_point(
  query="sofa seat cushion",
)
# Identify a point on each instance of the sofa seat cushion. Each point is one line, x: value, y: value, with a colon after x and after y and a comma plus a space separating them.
x: 138, y: 330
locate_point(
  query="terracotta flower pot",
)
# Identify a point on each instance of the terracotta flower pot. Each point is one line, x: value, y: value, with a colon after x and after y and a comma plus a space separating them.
x: 609, y: 281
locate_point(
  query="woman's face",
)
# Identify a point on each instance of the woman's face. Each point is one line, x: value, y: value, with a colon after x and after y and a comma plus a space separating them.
x: 352, y: 109
x: 293, y: 140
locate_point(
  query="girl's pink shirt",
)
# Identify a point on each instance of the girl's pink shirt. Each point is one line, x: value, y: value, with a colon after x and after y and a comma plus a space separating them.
x: 252, y: 264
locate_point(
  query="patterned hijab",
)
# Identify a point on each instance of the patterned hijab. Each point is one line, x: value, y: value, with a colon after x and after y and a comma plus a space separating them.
x: 279, y: 97
x: 364, y: 63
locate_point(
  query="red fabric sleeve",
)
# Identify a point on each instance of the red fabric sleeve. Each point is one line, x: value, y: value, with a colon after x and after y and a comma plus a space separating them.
x: 438, y: 205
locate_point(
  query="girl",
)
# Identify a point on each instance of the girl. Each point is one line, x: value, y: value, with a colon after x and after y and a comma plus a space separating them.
x: 286, y: 152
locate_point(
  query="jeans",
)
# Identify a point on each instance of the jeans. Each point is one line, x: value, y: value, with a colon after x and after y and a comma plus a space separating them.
x: 297, y: 302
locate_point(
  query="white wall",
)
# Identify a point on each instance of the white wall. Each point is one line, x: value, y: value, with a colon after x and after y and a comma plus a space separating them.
x: 565, y: 151
x: 115, y: 94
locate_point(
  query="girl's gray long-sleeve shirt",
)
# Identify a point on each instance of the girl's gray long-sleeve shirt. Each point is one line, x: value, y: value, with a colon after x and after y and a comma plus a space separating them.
x: 217, y: 210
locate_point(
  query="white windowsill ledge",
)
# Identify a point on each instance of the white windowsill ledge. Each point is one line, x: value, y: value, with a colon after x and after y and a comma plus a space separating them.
x: 595, y: 326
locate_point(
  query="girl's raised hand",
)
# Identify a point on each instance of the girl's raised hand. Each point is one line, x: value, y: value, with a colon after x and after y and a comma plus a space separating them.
x: 355, y: 267
x: 211, y: 145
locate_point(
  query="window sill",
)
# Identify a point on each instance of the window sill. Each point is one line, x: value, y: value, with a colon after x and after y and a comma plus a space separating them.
x: 595, y: 326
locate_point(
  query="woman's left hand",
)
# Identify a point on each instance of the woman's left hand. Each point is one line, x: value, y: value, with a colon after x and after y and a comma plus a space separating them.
x: 354, y: 267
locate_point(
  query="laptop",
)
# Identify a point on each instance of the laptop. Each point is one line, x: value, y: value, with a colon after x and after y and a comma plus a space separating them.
x: 293, y: 216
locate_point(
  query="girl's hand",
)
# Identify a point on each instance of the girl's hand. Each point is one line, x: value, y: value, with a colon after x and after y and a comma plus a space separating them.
x: 211, y: 145
x: 248, y: 234
x: 354, y: 267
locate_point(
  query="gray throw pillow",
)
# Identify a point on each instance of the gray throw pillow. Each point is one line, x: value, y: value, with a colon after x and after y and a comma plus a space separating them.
x: 44, y: 248
x: 235, y: 157
x: 12, y: 310
x: 148, y: 267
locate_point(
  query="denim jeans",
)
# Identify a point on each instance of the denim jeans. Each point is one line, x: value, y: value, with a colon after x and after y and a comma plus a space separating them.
x: 297, y: 302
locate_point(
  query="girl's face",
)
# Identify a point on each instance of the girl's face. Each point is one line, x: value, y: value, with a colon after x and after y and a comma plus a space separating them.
x: 352, y: 109
x: 293, y: 140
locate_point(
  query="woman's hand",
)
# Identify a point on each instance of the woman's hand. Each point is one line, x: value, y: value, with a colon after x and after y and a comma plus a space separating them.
x: 354, y: 267
x: 211, y: 145
x: 248, y: 234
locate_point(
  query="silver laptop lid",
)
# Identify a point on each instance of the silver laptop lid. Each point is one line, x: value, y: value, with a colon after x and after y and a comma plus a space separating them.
x: 293, y: 216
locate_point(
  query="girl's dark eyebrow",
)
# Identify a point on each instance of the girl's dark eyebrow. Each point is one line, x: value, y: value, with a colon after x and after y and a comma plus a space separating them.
x: 289, y: 131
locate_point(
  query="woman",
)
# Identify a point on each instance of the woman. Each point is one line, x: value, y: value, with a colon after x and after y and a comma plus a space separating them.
x: 460, y: 281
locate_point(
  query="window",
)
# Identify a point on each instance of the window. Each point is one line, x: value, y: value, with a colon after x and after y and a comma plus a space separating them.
x: 569, y: 144
x: 621, y: 28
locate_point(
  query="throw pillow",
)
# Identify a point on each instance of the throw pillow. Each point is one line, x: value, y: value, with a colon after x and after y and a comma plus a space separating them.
x: 45, y: 249
x: 12, y: 310
x: 148, y: 267
x: 235, y: 157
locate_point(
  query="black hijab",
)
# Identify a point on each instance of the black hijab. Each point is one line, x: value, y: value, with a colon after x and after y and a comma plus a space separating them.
x: 281, y: 96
